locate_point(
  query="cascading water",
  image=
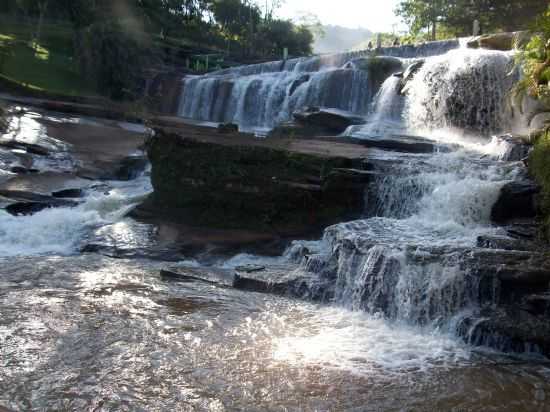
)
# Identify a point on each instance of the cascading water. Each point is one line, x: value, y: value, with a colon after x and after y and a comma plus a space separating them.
x: 463, y: 89
x: 407, y: 261
x: 83, y: 331
x: 258, y: 97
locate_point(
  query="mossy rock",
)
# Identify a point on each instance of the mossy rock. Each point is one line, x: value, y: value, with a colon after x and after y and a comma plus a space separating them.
x: 246, y: 187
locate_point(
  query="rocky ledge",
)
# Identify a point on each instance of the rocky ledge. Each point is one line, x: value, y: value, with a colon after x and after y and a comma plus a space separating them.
x: 284, y: 187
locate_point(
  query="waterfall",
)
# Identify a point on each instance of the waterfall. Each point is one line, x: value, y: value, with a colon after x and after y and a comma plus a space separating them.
x: 264, y: 100
x: 464, y: 89
x: 263, y: 95
x: 409, y: 261
x: 410, y: 258
x: 387, y: 110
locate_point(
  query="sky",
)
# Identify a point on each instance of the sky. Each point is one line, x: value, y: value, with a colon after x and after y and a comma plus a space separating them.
x: 375, y: 15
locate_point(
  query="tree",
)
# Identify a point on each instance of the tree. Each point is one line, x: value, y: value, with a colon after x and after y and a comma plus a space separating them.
x: 457, y: 16
x: 423, y: 14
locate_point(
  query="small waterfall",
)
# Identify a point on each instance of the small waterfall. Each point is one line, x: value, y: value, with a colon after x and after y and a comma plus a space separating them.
x: 409, y: 262
x: 388, y: 108
x: 463, y: 89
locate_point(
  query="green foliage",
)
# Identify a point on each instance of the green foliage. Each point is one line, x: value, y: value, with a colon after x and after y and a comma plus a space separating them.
x: 457, y: 16
x: 534, y: 60
x: 115, y: 44
x: 48, y: 65
x: 539, y: 167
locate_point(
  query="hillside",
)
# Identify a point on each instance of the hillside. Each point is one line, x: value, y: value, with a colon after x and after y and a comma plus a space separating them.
x: 337, y: 38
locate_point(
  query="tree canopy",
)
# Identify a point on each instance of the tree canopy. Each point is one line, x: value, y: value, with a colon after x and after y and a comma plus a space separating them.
x: 456, y: 17
x: 114, y: 40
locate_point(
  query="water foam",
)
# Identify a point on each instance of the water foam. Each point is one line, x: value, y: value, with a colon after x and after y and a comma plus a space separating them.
x: 60, y: 230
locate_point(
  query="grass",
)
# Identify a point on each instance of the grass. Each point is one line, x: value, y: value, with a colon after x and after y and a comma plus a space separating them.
x: 48, y: 66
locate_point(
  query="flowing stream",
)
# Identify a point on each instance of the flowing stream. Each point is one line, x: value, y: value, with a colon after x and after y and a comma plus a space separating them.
x: 85, y: 331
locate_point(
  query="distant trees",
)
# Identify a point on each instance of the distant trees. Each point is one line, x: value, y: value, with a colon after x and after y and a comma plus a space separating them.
x: 456, y: 17
x: 242, y: 23
x: 116, y: 40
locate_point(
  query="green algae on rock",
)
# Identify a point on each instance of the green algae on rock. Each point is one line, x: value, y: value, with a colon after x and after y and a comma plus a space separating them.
x: 238, y: 181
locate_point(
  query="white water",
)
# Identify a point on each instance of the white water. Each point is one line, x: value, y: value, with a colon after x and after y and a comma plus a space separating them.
x: 394, y: 264
x: 360, y: 343
x: 389, y: 311
x: 464, y: 89
x: 61, y: 230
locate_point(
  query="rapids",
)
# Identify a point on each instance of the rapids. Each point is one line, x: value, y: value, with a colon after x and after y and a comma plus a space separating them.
x: 85, y: 331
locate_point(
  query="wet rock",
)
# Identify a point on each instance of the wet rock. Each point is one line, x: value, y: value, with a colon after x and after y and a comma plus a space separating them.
x: 518, y: 149
x: 516, y: 200
x: 333, y: 121
x: 30, y: 208
x: 26, y: 203
x: 538, y: 304
x: 20, y: 170
x: 297, y: 83
x: 505, y: 243
x: 3, y: 121
x: 513, y: 330
x: 379, y: 68
x: 241, y: 182
x: 44, y: 183
x: 250, y: 268
x: 293, y: 129
x: 277, y: 280
x: 402, y: 143
x: 498, y: 41
x: 228, y: 128
x: 68, y: 193
x: 27, y: 147
x: 130, y: 168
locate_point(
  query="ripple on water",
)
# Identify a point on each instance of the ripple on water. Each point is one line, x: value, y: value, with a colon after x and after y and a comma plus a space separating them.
x: 91, y: 332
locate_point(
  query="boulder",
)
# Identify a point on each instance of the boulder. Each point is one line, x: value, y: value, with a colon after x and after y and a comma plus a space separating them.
x: 498, y: 41
x: 334, y: 121
x: 540, y: 121
x: 511, y: 329
x: 205, y: 179
x: 516, y: 200
x: 517, y: 148
x: 131, y: 167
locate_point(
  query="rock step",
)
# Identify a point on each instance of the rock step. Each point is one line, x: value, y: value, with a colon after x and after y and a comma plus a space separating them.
x: 282, y: 280
x: 237, y: 181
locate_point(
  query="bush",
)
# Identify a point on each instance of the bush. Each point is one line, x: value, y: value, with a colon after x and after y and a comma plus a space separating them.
x: 534, y: 59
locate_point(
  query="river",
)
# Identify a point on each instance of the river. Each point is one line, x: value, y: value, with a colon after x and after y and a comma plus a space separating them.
x: 83, y: 329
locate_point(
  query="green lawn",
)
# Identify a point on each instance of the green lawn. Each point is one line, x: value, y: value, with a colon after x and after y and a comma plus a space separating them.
x: 48, y: 66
